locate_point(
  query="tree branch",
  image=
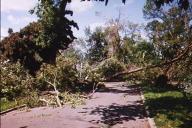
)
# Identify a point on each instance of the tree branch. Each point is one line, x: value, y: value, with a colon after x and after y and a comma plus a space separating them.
x: 55, y: 89
x: 179, y: 57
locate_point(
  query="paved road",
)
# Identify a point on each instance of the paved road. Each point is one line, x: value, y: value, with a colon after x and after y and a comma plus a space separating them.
x: 117, y: 106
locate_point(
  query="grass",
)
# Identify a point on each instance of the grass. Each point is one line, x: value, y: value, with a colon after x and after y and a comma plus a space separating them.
x: 72, y: 99
x: 5, y: 104
x: 169, y: 107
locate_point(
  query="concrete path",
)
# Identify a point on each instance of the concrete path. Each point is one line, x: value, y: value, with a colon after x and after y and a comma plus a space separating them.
x: 117, y: 106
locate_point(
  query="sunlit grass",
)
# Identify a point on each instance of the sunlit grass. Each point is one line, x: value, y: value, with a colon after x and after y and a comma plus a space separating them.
x: 5, y: 104
x: 168, y: 106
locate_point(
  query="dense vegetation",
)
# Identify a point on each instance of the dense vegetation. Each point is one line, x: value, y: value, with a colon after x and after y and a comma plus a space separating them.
x: 42, y: 65
x: 168, y: 106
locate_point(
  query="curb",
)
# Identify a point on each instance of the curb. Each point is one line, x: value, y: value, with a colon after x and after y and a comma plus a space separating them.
x: 150, y: 120
x: 12, y: 109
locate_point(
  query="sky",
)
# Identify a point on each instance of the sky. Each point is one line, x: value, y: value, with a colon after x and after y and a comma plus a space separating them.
x: 15, y: 13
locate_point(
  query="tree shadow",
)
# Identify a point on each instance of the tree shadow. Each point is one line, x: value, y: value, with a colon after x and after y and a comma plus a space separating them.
x: 127, y: 89
x: 117, y: 114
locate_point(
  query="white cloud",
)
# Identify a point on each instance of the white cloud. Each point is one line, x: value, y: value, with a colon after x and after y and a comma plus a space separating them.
x: 16, y: 23
x: 4, y: 32
x: 77, y: 6
x: 20, y: 20
x: 17, y: 5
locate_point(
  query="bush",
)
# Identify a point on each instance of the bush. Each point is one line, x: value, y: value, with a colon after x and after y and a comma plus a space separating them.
x: 110, y: 66
x: 14, y: 80
x: 32, y: 99
x: 91, y: 73
x: 63, y: 71
x: 17, y: 84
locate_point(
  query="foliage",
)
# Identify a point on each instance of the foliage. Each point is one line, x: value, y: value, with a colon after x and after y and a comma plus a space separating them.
x: 91, y: 74
x: 110, y: 66
x: 18, y: 85
x: 56, y: 30
x: 145, y: 53
x: 183, y: 4
x: 10, y: 31
x: 97, y: 45
x: 32, y: 99
x: 15, y: 82
x: 39, y: 42
x: 182, y: 72
x: 170, y: 32
x: 21, y: 46
x: 73, y: 99
x: 64, y: 72
x: 118, y: 39
x: 164, y: 33
x: 5, y: 104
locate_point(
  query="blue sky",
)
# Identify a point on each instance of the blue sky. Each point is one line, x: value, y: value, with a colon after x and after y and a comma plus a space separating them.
x: 14, y: 13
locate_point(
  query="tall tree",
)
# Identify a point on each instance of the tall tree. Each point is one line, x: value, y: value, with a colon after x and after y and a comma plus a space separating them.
x: 21, y: 46
x: 97, y: 45
x: 171, y: 34
x: 40, y: 41
x: 56, y: 30
x: 170, y: 31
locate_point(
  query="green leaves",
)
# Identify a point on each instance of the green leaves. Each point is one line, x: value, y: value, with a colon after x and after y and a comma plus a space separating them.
x: 56, y: 32
x: 110, y: 66
x: 170, y: 32
x: 40, y: 41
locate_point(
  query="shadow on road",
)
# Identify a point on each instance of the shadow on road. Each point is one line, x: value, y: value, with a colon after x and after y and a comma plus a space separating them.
x: 117, y: 113
x: 130, y: 90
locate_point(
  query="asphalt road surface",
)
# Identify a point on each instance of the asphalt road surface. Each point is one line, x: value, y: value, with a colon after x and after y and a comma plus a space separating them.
x: 117, y: 106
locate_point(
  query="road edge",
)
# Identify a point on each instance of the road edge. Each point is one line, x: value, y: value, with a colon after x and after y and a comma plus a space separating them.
x: 150, y: 120
x: 12, y: 109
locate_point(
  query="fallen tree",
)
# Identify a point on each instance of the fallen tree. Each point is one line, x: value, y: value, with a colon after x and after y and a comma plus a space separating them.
x: 55, y: 93
x: 185, y: 52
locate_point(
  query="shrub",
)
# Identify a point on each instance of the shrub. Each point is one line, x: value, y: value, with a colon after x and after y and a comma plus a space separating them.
x: 91, y: 73
x: 110, y: 66
x: 63, y: 71
x: 14, y: 80
x: 32, y: 99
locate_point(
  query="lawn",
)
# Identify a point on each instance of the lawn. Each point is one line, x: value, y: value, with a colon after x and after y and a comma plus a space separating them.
x: 168, y: 106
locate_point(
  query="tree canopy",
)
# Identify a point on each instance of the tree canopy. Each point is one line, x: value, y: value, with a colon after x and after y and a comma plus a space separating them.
x: 183, y: 4
x: 40, y: 41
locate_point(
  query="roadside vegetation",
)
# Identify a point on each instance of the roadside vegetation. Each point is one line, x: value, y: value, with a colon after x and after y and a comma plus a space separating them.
x: 169, y: 106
